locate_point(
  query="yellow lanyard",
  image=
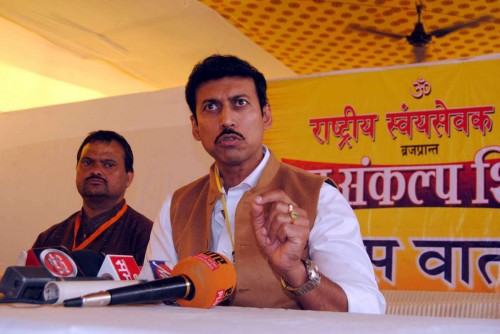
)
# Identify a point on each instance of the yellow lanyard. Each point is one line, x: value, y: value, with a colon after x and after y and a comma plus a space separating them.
x: 226, y: 213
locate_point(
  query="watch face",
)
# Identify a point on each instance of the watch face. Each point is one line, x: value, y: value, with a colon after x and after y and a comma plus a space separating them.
x: 313, y: 281
x: 312, y: 271
x: 314, y: 278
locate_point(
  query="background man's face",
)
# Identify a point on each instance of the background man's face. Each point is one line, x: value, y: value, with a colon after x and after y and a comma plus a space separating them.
x: 101, y: 171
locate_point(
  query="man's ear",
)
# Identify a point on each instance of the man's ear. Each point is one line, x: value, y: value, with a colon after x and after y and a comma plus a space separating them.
x: 194, y: 128
x: 130, y: 176
x: 267, y: 116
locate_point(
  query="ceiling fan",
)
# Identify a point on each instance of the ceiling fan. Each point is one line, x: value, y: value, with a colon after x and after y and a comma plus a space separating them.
x: 418, y: 38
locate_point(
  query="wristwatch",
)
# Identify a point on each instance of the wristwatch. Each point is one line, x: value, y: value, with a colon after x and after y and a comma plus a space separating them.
x: 313, y: 280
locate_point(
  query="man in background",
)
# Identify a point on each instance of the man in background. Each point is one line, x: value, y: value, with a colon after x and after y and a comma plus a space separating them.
x: 105, y: 223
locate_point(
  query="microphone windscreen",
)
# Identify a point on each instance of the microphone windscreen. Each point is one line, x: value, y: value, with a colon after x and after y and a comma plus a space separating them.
x: 32, y: 256
x: 58, y: 263
x: 119, y: 268
x: 32, y: 259
x: 88, y: 262
x: 159, y: 269
x: 213, y: 276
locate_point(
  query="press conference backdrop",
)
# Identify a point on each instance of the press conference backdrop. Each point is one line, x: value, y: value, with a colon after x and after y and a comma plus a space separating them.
x: 414, y: 149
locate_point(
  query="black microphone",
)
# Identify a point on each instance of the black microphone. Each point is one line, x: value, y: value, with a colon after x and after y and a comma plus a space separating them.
x: 25, y: 283
x: 171, y: 288
x: 88, y: 262
x: 21, y: 284
x: 202, y: 281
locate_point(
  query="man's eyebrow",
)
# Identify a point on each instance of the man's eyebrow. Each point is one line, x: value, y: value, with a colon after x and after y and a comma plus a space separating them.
x: 237, y: 96
x: 210, y: 99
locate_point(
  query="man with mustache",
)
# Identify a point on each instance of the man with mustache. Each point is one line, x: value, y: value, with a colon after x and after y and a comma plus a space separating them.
x: 293, y: 238
x: 105, y: 223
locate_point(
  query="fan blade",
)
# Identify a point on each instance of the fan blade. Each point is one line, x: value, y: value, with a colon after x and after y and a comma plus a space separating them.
x: 445, y: 31
x: 373, y: 31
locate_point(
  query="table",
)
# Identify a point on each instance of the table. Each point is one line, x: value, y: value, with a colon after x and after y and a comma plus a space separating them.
x: 159, y: 318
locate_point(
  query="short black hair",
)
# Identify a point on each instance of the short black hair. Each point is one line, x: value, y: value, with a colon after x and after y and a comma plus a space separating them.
x: 107, y: 136
x: 220, y: 66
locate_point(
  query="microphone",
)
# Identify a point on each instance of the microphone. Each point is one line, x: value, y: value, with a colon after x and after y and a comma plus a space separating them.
x: 31, y: 257
x: 88, y: 262
x: 56, y: 292
x: 202, y: 281
x: 58, y: 263
x: 26, y: 284
x: 119, y: 268
x: 114, y: 270
x: 159, y: 269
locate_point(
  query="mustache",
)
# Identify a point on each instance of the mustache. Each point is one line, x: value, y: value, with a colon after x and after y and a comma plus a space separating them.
x: 228, y: 131
x: 96, y: 177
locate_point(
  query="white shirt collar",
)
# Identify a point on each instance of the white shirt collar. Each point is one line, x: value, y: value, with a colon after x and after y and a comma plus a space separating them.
x: 251, y: 180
